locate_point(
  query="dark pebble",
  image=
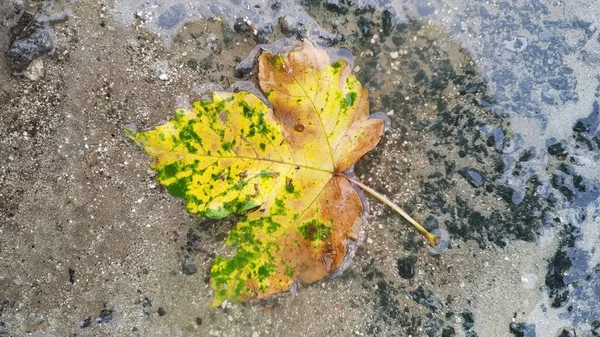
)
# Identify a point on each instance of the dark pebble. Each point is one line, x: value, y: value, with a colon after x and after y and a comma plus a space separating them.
x: 198, y: 321
x: 106, y: 315
x: 527, y: 154
x: 427, y: 298
x: 406, y: 267
x: 386, y: 23
x: 468, y: 320
x: 522, y: 329
x: 71, y: 275
x: 161, y: 311
x: 496, y: 139
x: 86, y: 323
x: 241, y: 26
x: 291, y: 26
x: 448, y: 332
x: 431, y: 223
x: 147, y: 307
x: 189, y: 269
x: 336, y: 7
x: 557, y: 150
x: 38, y: 41
x: 434, y: 326
x: 473, y: 177
x: 590, y: 123
x: 567, y: 333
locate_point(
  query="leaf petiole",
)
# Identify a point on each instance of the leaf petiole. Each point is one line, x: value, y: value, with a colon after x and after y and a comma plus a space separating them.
x: 433, y: 239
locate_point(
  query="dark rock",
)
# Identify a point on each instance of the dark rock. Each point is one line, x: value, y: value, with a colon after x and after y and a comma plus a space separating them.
x: 198, y: 321
x: 276, y: 4
x: 71, y: 275
x: 596, y: 328
x: 22, y: 25
x: 241, y: 26
x: 291, y: 26
x: 365, y: 27
x: 559, y: 266
x: 336, y: 7
x: 468, y: 320
x: 589, y: 124
x: 517, y: 197
x: 106, y: 315
x: 406, y: 267
x: 558, y: 150
x: 431, y: 223
x: 386, y: 23
x: 567, y: 333
x: 522, y: 329
x: 34, y: 41
x: 189, y: 269
x: 388, y: 304
x: 473, y: 177
x: 161, y: 311
x: 426, y: 298
x: 172, y: 16
x: 496, y: 139
x: 527, y: 154
x: 147, y: 307
x: 193, y: 241
x: 86, y: 323
x: 433, y: 326
x: 448, y: 332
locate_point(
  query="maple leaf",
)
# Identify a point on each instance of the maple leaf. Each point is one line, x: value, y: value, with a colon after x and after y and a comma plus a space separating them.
x: 281, y: 168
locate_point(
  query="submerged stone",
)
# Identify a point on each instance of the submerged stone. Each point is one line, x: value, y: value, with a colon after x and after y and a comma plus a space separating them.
x: 406, y: 267
x: 473, y: 177
x: 522, y: 329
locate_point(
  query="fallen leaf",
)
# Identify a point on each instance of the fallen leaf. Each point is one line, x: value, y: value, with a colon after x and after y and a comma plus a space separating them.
x: 282, y: 168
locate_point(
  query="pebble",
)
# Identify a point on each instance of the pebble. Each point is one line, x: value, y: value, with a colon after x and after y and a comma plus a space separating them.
x: 473, y: 177
x: 406, y: 267
x: 522, y: 329
x: 516, y: 45
x: 394, y: 55
x: 35, y: 40
x: 35, y: 70
x: 189, y: 269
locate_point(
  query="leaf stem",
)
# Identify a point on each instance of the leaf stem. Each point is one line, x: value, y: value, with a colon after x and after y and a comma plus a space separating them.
x: 433, y: 239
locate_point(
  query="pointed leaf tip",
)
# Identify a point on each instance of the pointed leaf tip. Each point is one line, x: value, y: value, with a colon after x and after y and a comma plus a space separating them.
x: 130, y: 130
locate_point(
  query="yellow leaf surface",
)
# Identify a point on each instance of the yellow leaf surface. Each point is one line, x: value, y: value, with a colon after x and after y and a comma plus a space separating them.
x: 281, y: 168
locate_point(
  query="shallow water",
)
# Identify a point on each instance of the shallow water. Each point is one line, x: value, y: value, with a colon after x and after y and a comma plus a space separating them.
x: 494, y: 138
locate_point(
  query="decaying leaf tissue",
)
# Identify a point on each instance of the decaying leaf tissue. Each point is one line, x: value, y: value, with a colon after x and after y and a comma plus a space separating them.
x: 282, y: 168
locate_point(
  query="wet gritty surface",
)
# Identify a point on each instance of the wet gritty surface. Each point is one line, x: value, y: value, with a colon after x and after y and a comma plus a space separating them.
x: 495, y: 137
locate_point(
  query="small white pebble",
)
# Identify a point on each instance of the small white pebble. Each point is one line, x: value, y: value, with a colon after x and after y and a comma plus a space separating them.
x: 163, y: 77
x: 394, y: 55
